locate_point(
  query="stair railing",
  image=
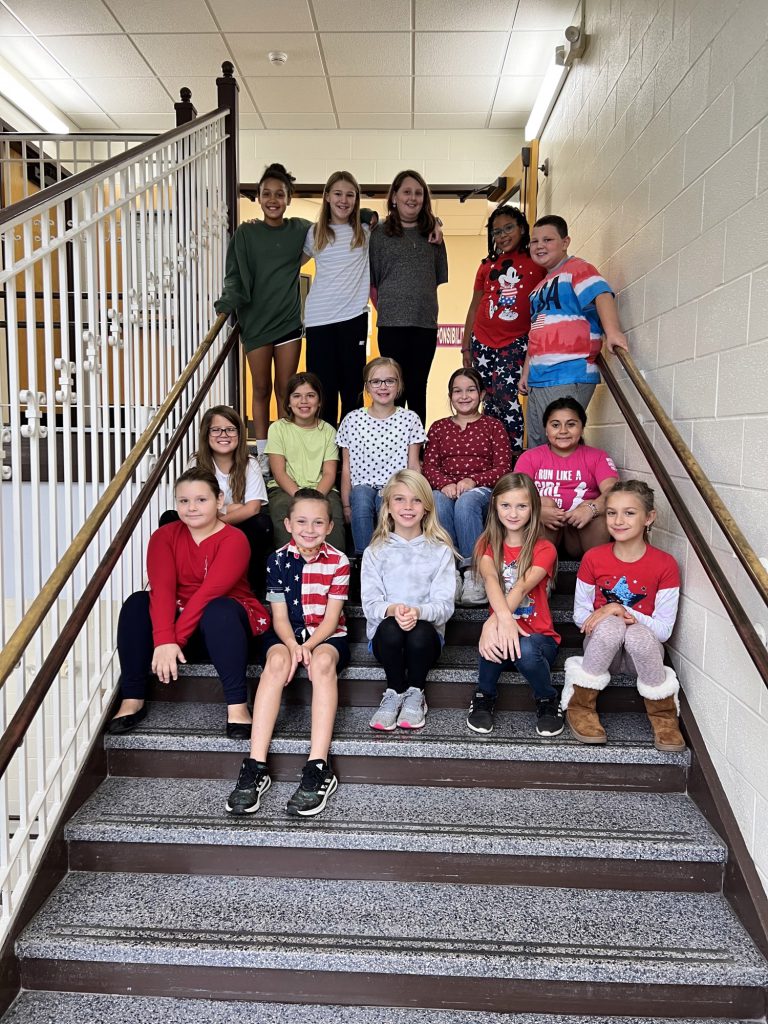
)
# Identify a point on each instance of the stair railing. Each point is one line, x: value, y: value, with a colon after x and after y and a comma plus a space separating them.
x: 743, y: 550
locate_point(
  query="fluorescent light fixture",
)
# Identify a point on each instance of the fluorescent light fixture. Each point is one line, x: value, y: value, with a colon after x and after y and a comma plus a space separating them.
x: 29, y: 102
x: 545, y: 101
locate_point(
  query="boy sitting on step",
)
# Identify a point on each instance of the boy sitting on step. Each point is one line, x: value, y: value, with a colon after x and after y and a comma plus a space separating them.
x: 307, y: 585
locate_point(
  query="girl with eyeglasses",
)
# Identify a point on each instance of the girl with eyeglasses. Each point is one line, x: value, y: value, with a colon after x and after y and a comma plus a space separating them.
x: 375, y: 443
x: 498, y: 320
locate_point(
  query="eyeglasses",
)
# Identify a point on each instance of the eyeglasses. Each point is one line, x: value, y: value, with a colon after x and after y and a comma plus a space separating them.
x: 388, y: 382
x: 218, y: 431
x: 506, y: 230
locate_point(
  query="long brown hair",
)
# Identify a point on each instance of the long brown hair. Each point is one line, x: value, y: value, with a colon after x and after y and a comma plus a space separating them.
x: 425, y: 223
x: 204, y: 456
x: 494, y: 533
x: 323, y: 232
x: 295, y: 381
x: 418, y: 485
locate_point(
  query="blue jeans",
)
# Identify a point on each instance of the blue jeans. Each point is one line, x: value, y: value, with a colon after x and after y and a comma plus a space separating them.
x: 537, y: 654
x: 463, y: 517
x: 365, y: 503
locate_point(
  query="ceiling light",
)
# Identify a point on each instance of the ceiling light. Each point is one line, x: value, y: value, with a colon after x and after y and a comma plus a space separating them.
x: 27, y: 100
x: 545, y: 101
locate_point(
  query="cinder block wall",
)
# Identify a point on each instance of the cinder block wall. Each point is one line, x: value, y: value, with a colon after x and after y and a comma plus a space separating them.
x: 658, y: 151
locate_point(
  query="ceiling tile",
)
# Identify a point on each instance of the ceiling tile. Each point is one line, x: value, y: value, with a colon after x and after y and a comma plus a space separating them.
x: 301, y: 121
x: 150, y: 16
x: 67, y: 95
x: 64, y: 16
x: 291, y: 95
x: 10, y: 26
x: 554, y: 14
x: 204, y: 94
x: 29, y: 57
x: 516, y: 93
x: 348, y: 53
x: 145, y: 122
x: 459, y: 53
x: 251, y: 49
x: 250, y: 122
x: 363, y: 16
x: 94, y: 122
x: 461, y: 14
x: 179, y: 54
x: 530, y: 53
x: 381, y: 122
x: 446, y: 95
x: 463, y: 119
x: 266, y: 16
x: 130, y: 95
x: 376, y: 95
x: 510, y: 118
x: 108, y: 56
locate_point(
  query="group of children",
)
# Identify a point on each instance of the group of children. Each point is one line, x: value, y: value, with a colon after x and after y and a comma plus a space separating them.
x: 459, y: 526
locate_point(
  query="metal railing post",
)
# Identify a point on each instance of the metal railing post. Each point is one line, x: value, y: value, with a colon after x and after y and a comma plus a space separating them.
x: 228, y: 90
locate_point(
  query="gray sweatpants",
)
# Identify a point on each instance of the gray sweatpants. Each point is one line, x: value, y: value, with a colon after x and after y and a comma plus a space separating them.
x: 539, y: 399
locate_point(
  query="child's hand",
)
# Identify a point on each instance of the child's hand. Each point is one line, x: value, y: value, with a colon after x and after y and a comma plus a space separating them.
x: 437, y: 234
x: 347, y: 510
x: 510, y: 632
x: 612, y: 608
x: 579, y: 517
x: 299, y: 656
x: 616, y: 339
x: 466, y: 358
x: 465, y: 485
x: 165, y: 660
x: 522, y: 384
x: 406, y: 617
x: 450, y: 491
x: 552, y: 517
x: 490, y: 646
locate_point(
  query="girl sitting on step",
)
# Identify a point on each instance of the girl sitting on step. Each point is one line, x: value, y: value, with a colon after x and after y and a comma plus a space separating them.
x: 407, y: 585
x: 626, y: 602
x: 198, y: 591
x: 516, y: 564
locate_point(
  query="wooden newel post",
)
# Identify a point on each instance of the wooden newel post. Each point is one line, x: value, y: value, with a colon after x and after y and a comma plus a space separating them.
x: 228, y: 90
x: 185, y: 111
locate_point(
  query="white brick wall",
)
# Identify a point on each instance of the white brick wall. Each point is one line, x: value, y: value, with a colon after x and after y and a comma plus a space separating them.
x: 658, y: 150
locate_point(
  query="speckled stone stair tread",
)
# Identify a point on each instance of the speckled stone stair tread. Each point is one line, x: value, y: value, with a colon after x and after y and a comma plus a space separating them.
x: 215, y: 921
x: 65, y: 1008
x: 182, y: 726
x: 648, y: 826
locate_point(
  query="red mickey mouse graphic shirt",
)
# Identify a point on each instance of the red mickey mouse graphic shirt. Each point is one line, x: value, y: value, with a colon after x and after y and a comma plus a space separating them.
x: 504, y: 312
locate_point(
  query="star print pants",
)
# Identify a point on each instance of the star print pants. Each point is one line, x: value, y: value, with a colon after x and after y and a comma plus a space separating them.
x: 500, y: 370
x: 614, y: 646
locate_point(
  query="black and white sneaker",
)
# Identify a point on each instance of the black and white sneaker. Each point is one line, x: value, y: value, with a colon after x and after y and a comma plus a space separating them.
x: 317, y: 784
x: 480, y: 714
x: 550, y: 721
x: 252, y: 783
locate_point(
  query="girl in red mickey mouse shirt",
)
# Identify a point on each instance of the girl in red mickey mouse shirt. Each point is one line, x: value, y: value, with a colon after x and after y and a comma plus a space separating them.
x: 626, y: 603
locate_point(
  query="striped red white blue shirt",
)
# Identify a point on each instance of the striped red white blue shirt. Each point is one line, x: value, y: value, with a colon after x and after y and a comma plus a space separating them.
x: 305, y: 586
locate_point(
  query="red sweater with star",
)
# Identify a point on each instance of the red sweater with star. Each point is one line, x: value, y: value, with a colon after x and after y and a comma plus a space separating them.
x: 184, y: 576
x: 480, y: 451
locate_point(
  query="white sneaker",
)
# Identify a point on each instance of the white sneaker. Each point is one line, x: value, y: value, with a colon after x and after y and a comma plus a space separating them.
x: 385, y: 719
x: 474, y: 589
x: 413, y: 712
x: 263, y: 461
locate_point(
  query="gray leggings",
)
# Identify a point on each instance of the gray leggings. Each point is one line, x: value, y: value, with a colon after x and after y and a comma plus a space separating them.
x: 614, y: 646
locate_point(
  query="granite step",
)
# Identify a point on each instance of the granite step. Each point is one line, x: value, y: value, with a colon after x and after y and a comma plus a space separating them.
x: 187, y: 741
x: 86, y: 1008
x: 507, y: 947
x: 494, y: 836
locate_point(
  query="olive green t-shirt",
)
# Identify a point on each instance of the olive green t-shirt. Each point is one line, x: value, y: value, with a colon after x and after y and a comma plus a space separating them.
x: 304, y: 451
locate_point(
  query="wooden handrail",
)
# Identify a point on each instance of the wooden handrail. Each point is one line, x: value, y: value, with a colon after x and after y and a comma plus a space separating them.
x: 733, y: 607
x: 55, y: 583
x: 741, y: 546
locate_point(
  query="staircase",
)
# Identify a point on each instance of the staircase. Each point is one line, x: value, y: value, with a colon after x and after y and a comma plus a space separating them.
x: 453, y: 878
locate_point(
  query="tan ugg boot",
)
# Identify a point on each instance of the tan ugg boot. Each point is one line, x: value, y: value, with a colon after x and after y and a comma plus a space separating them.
x: 581, y: 716
x: 661, y: 704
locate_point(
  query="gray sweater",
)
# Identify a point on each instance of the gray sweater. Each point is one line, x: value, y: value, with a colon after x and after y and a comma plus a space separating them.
x: 406, y: 272
x: 416, y: 572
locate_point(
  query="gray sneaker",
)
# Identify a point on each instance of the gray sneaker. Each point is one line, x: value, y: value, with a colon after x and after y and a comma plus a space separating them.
x: 474, y: 589
x: 459, y: 588
x: 385, y: 719
x: 413, y: 712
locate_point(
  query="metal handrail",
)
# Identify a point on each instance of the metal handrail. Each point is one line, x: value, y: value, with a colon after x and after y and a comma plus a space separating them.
x: 24, y: 716
x: 24, y: 632
x: 733, y: 607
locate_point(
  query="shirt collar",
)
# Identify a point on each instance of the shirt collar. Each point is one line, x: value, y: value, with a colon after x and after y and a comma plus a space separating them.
x: 322, y: 552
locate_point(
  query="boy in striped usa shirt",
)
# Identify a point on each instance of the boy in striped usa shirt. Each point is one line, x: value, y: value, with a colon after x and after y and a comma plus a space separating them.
x: 307, y: 585
x: 571, y: 309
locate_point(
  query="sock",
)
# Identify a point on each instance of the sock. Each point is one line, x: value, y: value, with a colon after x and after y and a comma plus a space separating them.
x: 261, y: 445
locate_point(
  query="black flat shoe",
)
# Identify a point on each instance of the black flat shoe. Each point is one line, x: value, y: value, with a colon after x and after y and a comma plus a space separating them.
x: 239, y: 730
x: 127, y: 723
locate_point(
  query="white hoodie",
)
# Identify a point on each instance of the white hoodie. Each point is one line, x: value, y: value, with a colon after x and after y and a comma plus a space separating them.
x: 415, y: 572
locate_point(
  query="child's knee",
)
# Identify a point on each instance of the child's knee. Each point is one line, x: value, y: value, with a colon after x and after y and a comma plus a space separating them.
x: 324, y: 667
x: 611, y: 627
x: 278, y: 662
x: 638, y: 639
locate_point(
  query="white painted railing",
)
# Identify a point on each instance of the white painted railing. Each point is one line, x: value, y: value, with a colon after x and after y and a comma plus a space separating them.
x: 107, y: 287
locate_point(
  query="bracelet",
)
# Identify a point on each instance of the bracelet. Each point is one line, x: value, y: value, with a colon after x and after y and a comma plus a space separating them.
x: 466, y: 350
x: 345, y: 507
x: 595, y: 510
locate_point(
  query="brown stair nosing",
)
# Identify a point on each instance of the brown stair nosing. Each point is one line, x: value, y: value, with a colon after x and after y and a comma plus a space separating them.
x: 366, y: 989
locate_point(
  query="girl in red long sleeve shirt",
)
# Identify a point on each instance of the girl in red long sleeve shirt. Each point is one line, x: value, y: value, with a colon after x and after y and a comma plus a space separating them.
x: 197, y: 569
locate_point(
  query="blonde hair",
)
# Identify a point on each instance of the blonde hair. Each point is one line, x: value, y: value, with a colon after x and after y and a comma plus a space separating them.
x: 323, y: 231
x: 378, y: 363
x: 494, y: 533
x: 418, y: 485
x: 204, y: 456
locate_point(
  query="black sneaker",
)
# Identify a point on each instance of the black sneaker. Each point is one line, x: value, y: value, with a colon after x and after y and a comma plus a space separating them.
x: 550, y: 717
x: 317, y: 784
x: 480, y: 714
x: 252, y: 783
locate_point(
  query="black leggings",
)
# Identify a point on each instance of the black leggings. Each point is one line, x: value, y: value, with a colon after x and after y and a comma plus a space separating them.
x: 406, y: 655
x: 414, y: 348
x: 224, y: 633
x: 336, y: 354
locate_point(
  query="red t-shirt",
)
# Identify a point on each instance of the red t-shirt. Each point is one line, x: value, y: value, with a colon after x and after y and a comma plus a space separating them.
x: 504, y: 312
x: 534, y: 613
x: 633, y: 584
x: 184, y: 577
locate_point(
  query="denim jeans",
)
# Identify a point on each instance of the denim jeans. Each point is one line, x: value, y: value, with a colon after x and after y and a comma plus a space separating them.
x: 463, y: 517
x: 537, y: 654
x: 365, y: 503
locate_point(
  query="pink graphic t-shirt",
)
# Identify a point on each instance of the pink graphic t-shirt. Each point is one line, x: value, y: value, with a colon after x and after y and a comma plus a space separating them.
x: 569, y: 480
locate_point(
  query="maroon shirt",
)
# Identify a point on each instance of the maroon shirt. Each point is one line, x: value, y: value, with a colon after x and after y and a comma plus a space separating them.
x: 480, y: 451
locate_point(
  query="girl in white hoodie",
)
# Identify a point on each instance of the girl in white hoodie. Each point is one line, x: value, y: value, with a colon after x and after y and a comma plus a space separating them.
x: 408, y: 585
